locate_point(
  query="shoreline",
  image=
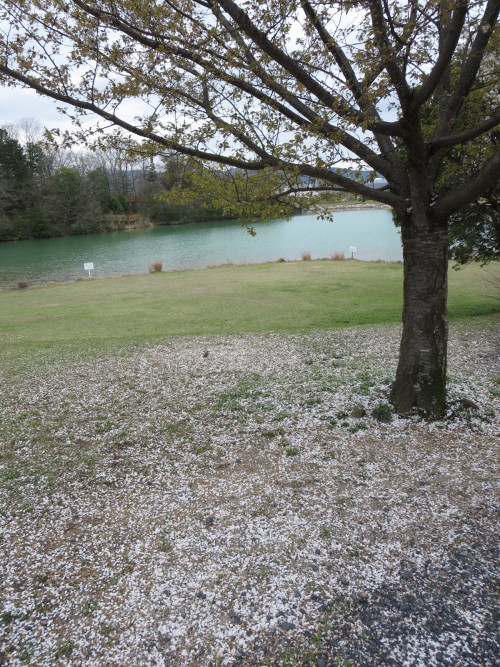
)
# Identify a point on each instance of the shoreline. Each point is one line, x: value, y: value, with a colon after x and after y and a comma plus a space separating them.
x: 223, y: 265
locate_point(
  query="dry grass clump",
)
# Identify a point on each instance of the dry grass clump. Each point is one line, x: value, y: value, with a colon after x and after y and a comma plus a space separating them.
x: 337, y: 255
x: 155, y: 267
x: 306, y: 256
x: 220, y: 266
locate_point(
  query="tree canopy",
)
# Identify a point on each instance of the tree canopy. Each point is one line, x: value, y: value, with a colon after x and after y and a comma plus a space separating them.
x: 302, y: 94
x: 297, y: 86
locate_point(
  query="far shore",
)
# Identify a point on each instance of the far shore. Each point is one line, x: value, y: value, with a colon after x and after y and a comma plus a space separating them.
x: 136, y: 222
x: 347, y: 207
x: 318, y: 208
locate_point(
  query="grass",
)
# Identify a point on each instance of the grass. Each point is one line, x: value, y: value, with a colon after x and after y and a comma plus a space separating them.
x: 283, y: 297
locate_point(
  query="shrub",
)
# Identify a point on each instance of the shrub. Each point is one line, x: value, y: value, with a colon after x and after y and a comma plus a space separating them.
x: 382, y: 412
x: 336, y: 256
x: 155, y: 267
x: 358, y: 411
x: 23, y: 284
x: 281, y: 259
x: 306, y: 256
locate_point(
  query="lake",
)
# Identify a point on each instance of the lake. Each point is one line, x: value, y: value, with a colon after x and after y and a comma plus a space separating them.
x: 198, y: 245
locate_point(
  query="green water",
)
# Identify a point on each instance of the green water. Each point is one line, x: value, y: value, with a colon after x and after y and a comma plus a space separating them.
x: 372, y: 232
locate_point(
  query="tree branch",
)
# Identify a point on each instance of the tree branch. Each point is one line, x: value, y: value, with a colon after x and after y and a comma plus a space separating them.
x: 447, y: 50
x: 466, y: 192
x: 338, y: 54
x: 315, y: 123
x: 387, y: 53
x: 357, y: 89
x: 319, y: 190
x: 113, y: 19
x: 306, y: 119
x: 133, y: 129
x: 320, y: 173
x: 471, y: 65
x: 466, y: 135
x: 289, y: 64
x: 348, y: 184
x: 206, y: 105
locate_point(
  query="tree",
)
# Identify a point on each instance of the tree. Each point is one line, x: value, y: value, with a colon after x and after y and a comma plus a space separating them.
x: 19, y: 188
x: 291, y: 90
x: 71, y: 206
x: 14, y: 171
x: 99, y: 189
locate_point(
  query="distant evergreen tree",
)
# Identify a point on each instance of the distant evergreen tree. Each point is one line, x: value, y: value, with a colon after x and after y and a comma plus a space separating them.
x: 14, y: 172
x: 152, y: 174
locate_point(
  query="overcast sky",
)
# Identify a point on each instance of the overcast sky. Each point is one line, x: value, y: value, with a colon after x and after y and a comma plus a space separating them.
x: 18, y: 103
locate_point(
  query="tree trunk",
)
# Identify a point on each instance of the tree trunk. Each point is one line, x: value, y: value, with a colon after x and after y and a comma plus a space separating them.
x: 421, y: 375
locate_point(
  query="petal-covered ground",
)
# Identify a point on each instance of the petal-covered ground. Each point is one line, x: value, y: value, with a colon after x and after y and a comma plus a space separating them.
x: 246, y: 500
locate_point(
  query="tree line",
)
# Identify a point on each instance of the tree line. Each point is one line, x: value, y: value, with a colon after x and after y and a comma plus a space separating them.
x: 49, y: 193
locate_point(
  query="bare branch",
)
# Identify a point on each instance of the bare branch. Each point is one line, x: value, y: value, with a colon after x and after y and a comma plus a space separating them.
x: 357, y: 89
x: 450, y: 40
x: 388, y: 53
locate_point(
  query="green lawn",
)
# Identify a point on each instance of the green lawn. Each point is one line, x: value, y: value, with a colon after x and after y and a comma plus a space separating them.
x: 292, y: 296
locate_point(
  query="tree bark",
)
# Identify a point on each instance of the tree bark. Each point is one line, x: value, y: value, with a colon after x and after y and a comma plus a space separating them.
x: 421, y: 374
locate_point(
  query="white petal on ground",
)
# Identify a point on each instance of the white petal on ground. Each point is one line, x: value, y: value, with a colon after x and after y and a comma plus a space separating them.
x: 162, y: 507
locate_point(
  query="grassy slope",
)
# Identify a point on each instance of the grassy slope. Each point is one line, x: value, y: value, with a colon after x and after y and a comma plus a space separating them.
x: 295, y: 296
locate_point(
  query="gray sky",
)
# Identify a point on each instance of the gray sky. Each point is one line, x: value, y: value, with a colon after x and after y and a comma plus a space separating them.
x: 18, y: 103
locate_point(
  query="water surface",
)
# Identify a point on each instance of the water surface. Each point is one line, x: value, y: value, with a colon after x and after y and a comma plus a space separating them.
x: 198, y: 245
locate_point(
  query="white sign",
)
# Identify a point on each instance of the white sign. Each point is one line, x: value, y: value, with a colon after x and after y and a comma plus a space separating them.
x: 352, y: 248
x: 88, y: 266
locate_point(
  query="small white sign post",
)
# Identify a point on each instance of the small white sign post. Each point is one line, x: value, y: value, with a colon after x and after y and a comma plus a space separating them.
x: 352, y: 250
x: 88, y: 266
